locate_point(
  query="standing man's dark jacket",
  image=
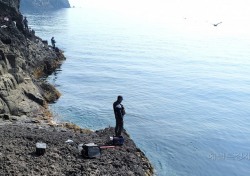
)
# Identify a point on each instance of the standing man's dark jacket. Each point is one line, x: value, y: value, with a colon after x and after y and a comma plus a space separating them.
x: 119, y: 112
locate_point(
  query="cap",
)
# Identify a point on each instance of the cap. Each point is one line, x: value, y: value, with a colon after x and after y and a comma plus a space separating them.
x: 119, y: 97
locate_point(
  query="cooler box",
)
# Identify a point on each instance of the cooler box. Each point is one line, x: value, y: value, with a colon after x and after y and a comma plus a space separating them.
x: 40, y: 148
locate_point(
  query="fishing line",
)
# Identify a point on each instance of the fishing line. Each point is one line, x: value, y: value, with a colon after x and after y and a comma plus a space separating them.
x: 143, y: 118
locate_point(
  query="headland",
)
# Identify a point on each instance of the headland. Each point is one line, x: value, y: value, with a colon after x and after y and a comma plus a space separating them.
x: 25, y: 62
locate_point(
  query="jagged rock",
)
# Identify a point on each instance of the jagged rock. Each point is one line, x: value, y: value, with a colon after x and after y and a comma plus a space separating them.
x: 3, y: 107
x: 23, y: 61
x: 49, y: 92
x: 12, y: 3
x: 23, y: 97
x: 19, y: 77
x: 35, y: 97
x: 5, y: 116
x: 18, y: 143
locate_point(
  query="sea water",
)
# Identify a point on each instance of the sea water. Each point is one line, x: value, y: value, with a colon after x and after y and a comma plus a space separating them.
x: 185, y: 83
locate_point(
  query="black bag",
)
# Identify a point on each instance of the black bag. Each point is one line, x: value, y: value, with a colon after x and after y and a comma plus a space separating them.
x: 91, y: 150
x: 118, y: 140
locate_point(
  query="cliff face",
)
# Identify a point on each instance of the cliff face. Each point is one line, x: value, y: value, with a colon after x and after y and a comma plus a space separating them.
x: 24, y: 59
x: 11, y: 3
x: 43, y: 4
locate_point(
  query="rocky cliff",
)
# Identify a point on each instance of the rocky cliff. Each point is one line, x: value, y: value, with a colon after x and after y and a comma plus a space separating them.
x: 18, y: 153
x: 11, y: 3
x: 30, y: 5
x: 24, y: 59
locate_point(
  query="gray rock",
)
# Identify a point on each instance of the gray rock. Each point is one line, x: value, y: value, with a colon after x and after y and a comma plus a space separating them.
x: 22, y: 63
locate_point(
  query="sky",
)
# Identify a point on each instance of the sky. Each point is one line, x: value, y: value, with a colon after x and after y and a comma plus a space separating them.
x: 235, y: 9
x: 233, y: 13
x: 232, y: 8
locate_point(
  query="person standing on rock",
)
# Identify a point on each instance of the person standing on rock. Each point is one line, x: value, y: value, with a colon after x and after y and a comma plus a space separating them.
x: 119, y: 112
x: 25, y: 22
x: 53, y: 42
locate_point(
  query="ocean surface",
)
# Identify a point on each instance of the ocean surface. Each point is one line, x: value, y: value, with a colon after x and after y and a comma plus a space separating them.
x: 185, y: 83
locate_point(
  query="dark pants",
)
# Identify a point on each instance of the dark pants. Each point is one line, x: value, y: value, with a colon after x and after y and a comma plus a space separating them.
x: 26, y: 27
x: 118, y: 126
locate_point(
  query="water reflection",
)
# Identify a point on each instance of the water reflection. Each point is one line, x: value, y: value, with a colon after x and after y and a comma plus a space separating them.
x: 54, y: 76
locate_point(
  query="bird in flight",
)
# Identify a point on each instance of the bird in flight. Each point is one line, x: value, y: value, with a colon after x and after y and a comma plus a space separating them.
x: 217, y: 24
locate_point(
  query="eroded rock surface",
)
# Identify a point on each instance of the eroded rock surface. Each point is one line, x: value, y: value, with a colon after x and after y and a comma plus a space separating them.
x: 24, y: 60
x: 18, y: 153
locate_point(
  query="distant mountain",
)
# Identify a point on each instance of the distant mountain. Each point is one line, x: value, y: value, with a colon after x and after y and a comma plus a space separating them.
x: 39, y: 5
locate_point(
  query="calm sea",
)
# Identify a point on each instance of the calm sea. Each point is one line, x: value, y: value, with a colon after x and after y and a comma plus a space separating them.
x: 185, y: 83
